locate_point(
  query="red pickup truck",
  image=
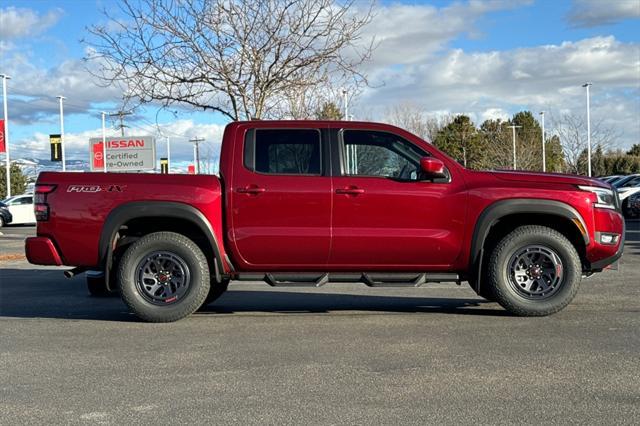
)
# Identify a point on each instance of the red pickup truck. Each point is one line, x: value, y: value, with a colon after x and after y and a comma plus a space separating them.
x: 308, y: 202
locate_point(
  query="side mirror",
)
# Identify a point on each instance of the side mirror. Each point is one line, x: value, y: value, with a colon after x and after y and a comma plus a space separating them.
x: 432, y: 167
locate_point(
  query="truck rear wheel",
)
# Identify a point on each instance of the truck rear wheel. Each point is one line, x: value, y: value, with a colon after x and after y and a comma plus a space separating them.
x: 216, y: 290
x: 163, y: 277
x: 534, y: 271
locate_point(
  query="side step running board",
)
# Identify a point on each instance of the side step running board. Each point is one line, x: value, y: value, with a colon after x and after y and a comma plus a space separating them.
x: 372, y: 279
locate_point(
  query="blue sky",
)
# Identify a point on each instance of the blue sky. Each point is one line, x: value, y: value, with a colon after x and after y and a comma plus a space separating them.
x: 487, y: 59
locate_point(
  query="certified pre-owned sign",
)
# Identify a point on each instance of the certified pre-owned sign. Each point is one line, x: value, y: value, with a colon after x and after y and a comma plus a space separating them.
x: 128, y: 153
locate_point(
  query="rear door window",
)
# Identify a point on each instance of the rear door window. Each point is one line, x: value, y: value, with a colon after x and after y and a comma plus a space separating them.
x: 284, y: 151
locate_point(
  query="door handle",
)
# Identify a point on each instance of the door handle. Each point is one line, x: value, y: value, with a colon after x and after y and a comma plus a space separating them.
x: 350, y: 191
x: 251, y: 189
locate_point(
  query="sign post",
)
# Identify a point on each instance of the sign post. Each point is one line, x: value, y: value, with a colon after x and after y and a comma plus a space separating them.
x: 3, y: 147
x: 5, y: 128
x: 56, y: 147
x: 123, y: 154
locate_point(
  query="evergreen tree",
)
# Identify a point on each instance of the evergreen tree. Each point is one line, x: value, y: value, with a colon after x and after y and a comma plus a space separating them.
x: 329, y: 111
x: 635, y: 150
x: 554, y: 155
x: 18, y: 181
x: 460, y: 139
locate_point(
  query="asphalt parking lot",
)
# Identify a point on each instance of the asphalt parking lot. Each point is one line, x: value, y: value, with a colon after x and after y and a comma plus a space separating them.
x: 334, y: 355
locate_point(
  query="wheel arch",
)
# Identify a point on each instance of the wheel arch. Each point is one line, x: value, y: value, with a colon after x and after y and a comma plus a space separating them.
x: 166, y: 216
x: 502, y: 216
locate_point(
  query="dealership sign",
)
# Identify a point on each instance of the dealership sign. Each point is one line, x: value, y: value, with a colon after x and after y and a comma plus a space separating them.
x: 123, y: 154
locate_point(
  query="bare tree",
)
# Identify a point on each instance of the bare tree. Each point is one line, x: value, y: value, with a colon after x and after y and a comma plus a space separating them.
x: 413, y: 118
x: 572, y: 130
x: 209, y: 157
x: 408, y: 116
x: 241, y: 58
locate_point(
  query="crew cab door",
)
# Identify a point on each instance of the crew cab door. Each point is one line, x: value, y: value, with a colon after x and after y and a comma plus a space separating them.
x: 281, y: 199
x: 384, y: 216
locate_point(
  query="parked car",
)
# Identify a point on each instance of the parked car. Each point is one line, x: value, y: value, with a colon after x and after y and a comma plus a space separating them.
x: 5, y: 215
x: 307, y: 202
x: 632, y: 208
x: 624, y: 180
x: 21, y: 208
x: 610, y: 179
x: 630, y: 188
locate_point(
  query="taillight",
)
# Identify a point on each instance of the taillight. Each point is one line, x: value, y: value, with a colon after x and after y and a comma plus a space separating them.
x: 40, y: 206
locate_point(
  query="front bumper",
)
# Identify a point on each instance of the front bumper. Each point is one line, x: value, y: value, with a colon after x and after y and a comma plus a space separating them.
x: 42, y: 251
x: 599, y: 255
x: 601, y: 264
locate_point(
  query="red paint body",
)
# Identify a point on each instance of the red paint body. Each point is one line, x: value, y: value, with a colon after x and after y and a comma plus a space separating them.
x: 266, y: 222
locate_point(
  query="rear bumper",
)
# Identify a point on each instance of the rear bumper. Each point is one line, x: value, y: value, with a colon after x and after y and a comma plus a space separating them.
x: 42, y: 251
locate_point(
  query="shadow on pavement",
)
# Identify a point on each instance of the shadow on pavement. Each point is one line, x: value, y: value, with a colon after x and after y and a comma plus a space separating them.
x: 45, y: 294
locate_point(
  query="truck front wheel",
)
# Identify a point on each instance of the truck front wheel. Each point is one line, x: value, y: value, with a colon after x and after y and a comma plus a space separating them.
x: 534, y: 271
x: 163, y: 277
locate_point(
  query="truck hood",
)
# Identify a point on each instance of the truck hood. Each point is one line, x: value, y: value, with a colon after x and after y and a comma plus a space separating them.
x: 558, y: 178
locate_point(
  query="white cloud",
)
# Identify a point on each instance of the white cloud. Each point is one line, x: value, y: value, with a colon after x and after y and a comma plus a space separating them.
x: 34, y: 89
x: 21, y: 22
x: 542, y: 77
x: 494, y: 114
x: 409, y: 33
x: 592, y: 13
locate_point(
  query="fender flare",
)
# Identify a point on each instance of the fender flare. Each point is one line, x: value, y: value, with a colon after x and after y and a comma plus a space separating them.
x: 499, y: 209
x: 137, y: 209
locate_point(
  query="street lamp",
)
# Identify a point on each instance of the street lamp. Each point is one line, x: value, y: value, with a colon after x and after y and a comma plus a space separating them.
x: 6, y: 132
x: 345, y: 100
x: 514, y: 144
x: 587, y: 85
x: 61, y: 98
x: 544, y: 161
x: 104, y: 141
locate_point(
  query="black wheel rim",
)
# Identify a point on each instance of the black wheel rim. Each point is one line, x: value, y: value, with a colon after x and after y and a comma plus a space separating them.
x: 535, y: 272
x: 162, y: 278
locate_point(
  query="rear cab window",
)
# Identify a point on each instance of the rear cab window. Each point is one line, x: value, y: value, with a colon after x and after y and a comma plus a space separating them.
x: 283, y: 151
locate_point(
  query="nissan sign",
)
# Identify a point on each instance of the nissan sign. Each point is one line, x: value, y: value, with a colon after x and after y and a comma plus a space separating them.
x: 124, y: 154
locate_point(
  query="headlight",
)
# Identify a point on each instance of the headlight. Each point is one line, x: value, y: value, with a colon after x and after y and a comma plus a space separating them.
x: 605, y: 198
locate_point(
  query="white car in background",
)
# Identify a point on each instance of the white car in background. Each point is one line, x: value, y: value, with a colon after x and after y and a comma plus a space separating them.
x: 21, y: 208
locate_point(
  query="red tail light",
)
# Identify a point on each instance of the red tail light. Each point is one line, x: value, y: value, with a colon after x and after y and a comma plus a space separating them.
x: 40, y: 206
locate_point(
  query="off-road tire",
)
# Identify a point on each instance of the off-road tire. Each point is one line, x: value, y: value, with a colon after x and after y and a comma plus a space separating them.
x: 501, y: 290
x: 197, y: 287
x: 216, y: 290
x: 485, y: 292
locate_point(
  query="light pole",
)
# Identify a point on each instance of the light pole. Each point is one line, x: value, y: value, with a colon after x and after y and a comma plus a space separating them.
x: 104, y: 141
x: 168, y: 155
x: 61, y: 98
x: 587, y: 85
x: 544, y: 161
x: 345, y: 100
x: 514, y: 144
x: 196, y: 152
x: 6, y: 133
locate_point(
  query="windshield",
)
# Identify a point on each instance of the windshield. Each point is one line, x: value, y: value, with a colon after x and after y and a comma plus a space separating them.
x: 632, y: 182
x: 622, y: 182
